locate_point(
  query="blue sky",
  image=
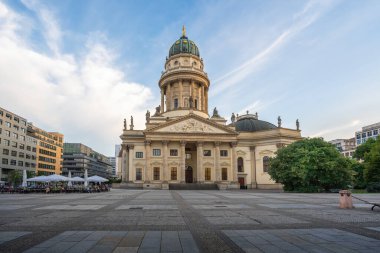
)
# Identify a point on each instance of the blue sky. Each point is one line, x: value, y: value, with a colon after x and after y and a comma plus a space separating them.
x: 80, y: 67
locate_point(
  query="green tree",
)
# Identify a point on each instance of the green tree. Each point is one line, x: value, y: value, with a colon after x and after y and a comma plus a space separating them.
x: 359, y: 180
x: 372, y: 163
x: 15, y: 177
x: 311, y: 165
x: 363, y: 149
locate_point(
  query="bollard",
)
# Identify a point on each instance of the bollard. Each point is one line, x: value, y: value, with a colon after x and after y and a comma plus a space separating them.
x: 345, y: 199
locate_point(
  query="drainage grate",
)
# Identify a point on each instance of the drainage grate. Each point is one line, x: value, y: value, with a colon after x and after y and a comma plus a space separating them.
x: 137, y: 207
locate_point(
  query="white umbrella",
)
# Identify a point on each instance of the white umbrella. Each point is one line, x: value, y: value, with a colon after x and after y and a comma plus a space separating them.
x: 24, y: 178
x: 85, y: 178
x: 56, y: 178
x: 97, y: 179
x: 77, y: 179
x: 69, y: 183
x: 38, y: 179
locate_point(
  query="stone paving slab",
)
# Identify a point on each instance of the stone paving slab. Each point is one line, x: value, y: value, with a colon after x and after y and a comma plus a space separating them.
x: 9, y: 235
x: 221, y: 206
x: 302, y: 240
x: 118, y: 241
x: 291, y: 206
x: 147, y: 207
x: 71, y: 207
x: 13, y: 207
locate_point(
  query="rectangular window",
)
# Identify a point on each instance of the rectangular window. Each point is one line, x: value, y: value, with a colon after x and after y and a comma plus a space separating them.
x: 34, y: 149
x: 223, y: 153
x: 174, y: 152
x: 21, y: 146
x: 16, y: 127
x: 4, y: 161
x: 14, y: 135
x: 358, y: 136
x: 23, y: 130
x: 14, y: 144
x: 22, y: 138
x: 20, y: 163
x: 8, y: 124
x: 156, y: 152
x: 27, y: 164
x: 16, y: 119
x: 7, y: 133
x: 139, y: 154
x: 375, y: 132
x: 27, y: 156
x: 188, y: 156
x: 13, y: 153
x: 5, y: 151
x: 173, y: 173
x: 156, y: 173
x: 369, y: 133
x: 364, y: 135
x: 207, y: 152
x: 175, y: 103
x: 7, y: 143
x: 13, y: 162
x: 224, y: 173
x: 8, y: 116
x: 21, y: 155
x: 138, y: 174
x: 207, y: 174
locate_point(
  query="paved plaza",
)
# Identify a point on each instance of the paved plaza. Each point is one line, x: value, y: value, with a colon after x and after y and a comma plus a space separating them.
x: 186, y: 221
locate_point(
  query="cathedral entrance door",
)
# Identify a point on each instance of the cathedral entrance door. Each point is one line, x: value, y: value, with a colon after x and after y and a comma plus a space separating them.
x: 189, y: 174
x: 241, y: 182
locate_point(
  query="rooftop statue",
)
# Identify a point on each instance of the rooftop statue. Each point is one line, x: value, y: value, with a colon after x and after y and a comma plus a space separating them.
x: 233, y: 118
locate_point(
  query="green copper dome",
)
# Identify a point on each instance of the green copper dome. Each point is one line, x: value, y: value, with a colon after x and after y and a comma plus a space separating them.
x: 184, y: 45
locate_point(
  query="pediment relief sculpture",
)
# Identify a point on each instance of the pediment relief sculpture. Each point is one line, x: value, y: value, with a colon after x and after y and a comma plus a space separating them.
x: 241, y: 153
x: 191, y: 126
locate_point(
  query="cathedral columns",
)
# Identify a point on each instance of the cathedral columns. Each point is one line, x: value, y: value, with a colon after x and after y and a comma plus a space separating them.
x: 234, y: 162
x: 203, y: 97
x: 168, y: 97
x: 200, y: 173
x: 183, y: 162
x: 180, y: 94
x: 253, y: 166
x: 147, y: 161
x: 162, y: 100
x: 217, y: 176
x: 199, y: 98
x: 206, y: 101
x: 130, y: 169
x: 165, y: 156
x: 124, y: 163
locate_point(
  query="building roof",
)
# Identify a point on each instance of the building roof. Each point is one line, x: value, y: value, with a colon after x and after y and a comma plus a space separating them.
x: 250, y: 123
x: 184, y: 45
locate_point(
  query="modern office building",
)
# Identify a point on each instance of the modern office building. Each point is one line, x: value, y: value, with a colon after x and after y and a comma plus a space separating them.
x: 17, y: 149
x: 112, y: 161
x: 78, y: 157
x: 367, y: 132
x: 182, y: 144
x: 345, y: 146
x: 49, y: 150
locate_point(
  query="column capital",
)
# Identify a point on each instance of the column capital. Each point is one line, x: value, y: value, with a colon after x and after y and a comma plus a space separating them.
x: 217, y: 143
x: 131, y: 146
x: 252, y: 148
x: 147, y: 142
x: 183, y: 143
x: 199, y: 143
x: 165, y: 142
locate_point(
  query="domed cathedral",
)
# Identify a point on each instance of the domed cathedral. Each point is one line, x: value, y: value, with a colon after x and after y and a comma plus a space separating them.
x: 182, y: 147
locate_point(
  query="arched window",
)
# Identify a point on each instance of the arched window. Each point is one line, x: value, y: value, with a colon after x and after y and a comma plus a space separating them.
x: 266, y: 163
x: 196, y: 103
x: 240, y: 164
x: 175, y: 103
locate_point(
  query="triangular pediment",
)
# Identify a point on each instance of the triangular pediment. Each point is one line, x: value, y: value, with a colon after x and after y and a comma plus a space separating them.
x: 192, y: 124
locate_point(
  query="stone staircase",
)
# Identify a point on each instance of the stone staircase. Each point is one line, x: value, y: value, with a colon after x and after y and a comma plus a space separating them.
x: 193, y: 186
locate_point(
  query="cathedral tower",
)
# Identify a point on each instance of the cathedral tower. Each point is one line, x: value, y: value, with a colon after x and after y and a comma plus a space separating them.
x: 184, y: 85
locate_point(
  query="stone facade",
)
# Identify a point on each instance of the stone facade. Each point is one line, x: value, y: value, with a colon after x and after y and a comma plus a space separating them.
x: 183, y: 144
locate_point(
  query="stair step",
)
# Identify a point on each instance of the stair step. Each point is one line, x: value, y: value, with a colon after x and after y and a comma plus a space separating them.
x: 193, y: 186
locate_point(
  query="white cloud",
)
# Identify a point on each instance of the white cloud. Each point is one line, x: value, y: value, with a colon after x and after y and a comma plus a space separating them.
x: 84, y: 96
x: 301, y: 20
x: 336, y: 131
